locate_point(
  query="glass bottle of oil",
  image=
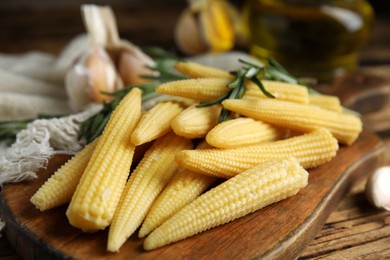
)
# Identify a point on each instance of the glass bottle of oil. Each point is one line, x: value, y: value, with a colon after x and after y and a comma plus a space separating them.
x: 316, y: 38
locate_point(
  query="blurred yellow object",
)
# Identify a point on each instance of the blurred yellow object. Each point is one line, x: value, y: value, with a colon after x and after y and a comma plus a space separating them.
x: 206, y: 26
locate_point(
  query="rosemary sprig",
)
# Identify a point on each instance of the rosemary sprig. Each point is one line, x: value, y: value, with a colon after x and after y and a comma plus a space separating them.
x: 9, y: 129
x: 255, y: 73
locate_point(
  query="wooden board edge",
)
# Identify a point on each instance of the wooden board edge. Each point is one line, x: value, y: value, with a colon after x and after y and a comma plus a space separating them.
x: 315, y: 221
x: 16, y: 233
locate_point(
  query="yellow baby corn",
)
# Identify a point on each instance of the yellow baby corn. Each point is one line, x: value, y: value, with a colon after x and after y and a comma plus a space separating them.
x: 183, y: 188
x: 311, y: 150
x: 156, y: 122
x: 59, y: 188
x: 145, y: 183
x: 196, y: 70
x: 326, y: 101
x: 247, y: 192
x: 97, y: 195
x: 345, y: 127
x: 280, y: 90
x: 195, y: 122
x: 242, y: 132
x: 204, y: 89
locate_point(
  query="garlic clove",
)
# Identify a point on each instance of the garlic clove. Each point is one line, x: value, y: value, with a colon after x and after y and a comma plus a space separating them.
x: 102, y: 75
x: 378, y: 188
x: 93, y: 73
x: 133, y: 64
x: 187, y: 34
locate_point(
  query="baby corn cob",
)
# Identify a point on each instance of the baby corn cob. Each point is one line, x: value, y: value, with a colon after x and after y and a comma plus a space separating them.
x: 97, y: 195
x: 196, y: 70
x: 207, y: 89
x: 195, y: 122
x: 183, y: 188
x: 245, y: 193
x: 59, y: 188
x: 155, y: 123
x: 242, y: 131
x: 204, y: 89
x: 326, y: 101
x: 345, y: 127
x: 311, y: 150
x: 281, y: 91
x: 145, y: 183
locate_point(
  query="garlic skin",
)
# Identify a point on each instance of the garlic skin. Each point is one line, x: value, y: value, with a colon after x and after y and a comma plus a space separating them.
x: 76, y: 82
x: 378, y: 188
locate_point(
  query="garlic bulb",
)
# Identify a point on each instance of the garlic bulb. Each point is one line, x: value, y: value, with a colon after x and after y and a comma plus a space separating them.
x: 378, y: 188
x: 108, y: 63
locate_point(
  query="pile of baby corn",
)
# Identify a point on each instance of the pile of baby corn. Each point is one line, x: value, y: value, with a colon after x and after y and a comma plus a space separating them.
x: 263, y: 152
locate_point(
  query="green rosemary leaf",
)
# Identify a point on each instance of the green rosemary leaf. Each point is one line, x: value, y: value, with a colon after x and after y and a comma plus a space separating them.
x: 277, y: 65
x: 99, y: 129
x: 238, y: 81
x: 148, y: 88
x: 97, y: 121
x: 274, y: 74
x: 261, y: 74
x: 9, y: 129
x: 234, y: 93
x: 262, y: 88
x: 241, y: 92
x: 252, y: 72
x: 84, y: 128
x: 250, y: 64
x: 215, y: 101
x: 224, y: 115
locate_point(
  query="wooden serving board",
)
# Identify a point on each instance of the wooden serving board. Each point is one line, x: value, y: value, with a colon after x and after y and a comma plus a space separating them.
x: 281, y: 230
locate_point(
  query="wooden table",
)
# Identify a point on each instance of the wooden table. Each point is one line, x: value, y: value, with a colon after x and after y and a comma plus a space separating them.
x: 354, y: 230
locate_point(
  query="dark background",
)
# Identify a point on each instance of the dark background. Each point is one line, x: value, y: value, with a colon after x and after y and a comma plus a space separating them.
x: 48, y: 25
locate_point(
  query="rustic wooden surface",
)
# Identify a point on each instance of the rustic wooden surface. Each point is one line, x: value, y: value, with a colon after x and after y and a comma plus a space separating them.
x: 354, y: 230
x: 284, y: 228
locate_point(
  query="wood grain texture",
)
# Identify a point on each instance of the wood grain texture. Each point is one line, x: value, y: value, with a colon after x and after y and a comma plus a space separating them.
x: 354, y: 230
x: 280, y: 231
